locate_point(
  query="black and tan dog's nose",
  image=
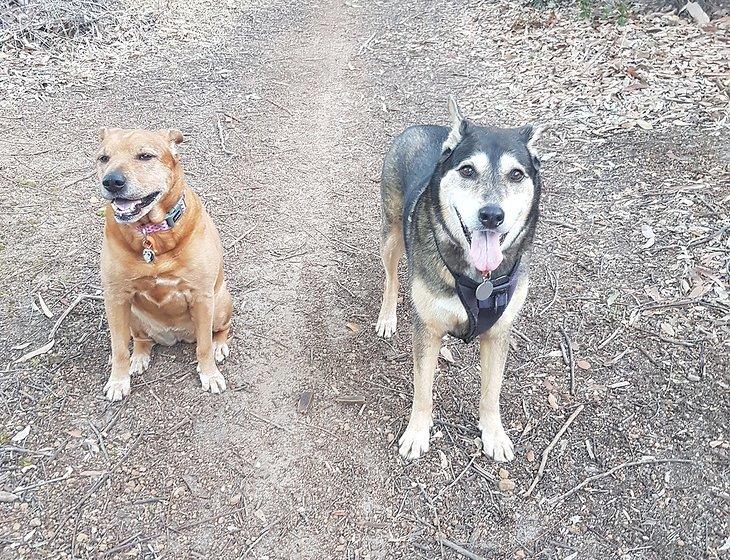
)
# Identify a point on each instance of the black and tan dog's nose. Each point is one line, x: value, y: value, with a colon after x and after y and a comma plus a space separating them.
x: 491, y: 216
x: 114, y: 181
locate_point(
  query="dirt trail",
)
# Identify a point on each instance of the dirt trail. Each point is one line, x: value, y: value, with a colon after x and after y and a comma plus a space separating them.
x: 287, y: 109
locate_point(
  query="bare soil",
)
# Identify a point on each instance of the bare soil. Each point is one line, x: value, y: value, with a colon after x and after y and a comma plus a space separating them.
x: 287, y: 109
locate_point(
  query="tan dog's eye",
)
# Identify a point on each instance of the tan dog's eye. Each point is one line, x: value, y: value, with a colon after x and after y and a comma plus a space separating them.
x: 103, y: 159
x: 144, y: 156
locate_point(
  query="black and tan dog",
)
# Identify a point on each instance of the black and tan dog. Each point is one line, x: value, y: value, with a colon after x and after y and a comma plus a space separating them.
x: 462, y: 202
x: 161, y: 259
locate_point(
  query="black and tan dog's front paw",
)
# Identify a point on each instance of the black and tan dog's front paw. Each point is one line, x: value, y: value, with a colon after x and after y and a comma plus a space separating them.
x: 496, y: 443
x: 415, y: 440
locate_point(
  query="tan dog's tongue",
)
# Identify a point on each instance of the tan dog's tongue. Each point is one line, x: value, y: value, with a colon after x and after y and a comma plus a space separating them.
x: 485, y: 253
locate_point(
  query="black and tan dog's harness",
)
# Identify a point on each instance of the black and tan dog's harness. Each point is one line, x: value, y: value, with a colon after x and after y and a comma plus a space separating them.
x: 484, y: 313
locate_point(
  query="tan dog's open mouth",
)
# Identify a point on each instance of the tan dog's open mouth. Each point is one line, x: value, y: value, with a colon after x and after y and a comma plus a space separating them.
x: 127, y: 210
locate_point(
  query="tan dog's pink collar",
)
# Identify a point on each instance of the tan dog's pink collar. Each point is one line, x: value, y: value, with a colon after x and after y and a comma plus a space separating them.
x: 172, y: 217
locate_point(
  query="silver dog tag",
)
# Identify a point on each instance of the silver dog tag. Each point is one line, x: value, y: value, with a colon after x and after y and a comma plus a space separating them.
x: 148, y: 255
x: 484, y: 290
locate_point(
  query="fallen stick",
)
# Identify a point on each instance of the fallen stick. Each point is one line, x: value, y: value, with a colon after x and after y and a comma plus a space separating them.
x: 609, y: 472
x: 135, y: 539
x: 261, y: 536
x: 51, y: 336
x: 245, y: 234
x: 571, y: 358
x: 549, y: 448
x: 460, y: 549
x: 466, y: 468
x: 221, y: 138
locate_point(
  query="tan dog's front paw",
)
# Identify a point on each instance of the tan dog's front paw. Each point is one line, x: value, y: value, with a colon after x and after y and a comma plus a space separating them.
x: 220, y: 351
x: 213, y: 382
x: 414, y: 442
x: 117, y: 389
x: 496, y: 443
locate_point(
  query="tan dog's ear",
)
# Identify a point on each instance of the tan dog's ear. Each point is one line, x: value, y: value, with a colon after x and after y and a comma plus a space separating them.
x: 176, y: 136
x: 102, y: 133
x: 173, y: 135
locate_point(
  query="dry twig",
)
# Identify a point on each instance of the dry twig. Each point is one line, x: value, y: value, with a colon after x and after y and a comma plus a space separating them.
x: 549, y: 448
x: 609, y: 472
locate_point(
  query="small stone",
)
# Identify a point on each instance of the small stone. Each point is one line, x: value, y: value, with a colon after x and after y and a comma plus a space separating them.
x: 82, y: 537
x: 530, y: 456
x: 35, y: 522
x: 506, y: 485
x: 693, y: 377
x: 8, y: 497
x: 235, y: 500
x: 503, y: 473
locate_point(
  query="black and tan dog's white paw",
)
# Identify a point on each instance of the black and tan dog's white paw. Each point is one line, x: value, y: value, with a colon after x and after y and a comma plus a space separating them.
x: 496, y: 443
x: 415, y: 440
x: 387, y: 323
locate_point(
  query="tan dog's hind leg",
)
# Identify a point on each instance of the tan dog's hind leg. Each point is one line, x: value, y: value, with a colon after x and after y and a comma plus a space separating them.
x: 222, y: 325
x: 201, y: 310
x: 391, y: 251
x: 220, y: 345
x: 493, y: 347
x: 426, y: 344
x: 118, y: 314
x: 141, y: 354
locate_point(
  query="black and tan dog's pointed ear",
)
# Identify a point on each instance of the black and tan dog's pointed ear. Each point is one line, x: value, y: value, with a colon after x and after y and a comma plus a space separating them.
x: 458, y: 126
x: 530, y: 134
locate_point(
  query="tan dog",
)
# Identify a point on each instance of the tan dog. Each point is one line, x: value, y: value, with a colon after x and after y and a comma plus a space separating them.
x: 161, y: 260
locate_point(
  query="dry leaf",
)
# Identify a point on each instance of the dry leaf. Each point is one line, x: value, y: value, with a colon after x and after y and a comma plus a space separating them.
x: 353, y: 327
x: 443, y: 459
x: 667, y: 329
x: 530, y: 456
x: 648, y: 232
x: 583, y: 364
x: 305, y: 401
x: 553, y: 401
x: 21, y: 435
x: 74, y: 433
x: 447, y: 355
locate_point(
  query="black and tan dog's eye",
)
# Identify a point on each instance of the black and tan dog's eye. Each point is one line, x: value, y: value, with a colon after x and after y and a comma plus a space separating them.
x: 103, y: 159
x: 516, y: 175
x: 467, y: 171
x: 144, y: 156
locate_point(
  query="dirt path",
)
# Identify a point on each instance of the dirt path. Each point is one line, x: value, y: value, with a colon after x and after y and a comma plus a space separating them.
x: 287, y: 109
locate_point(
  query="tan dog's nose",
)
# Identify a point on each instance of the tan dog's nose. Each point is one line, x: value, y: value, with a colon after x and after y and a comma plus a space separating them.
x: 114, y: 181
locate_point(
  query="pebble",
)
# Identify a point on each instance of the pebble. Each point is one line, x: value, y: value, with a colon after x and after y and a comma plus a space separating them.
x: 506, y: 485
x: 8, y: 497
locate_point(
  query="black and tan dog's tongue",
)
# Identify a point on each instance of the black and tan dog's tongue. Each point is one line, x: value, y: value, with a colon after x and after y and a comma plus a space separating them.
x: 485, y: 252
